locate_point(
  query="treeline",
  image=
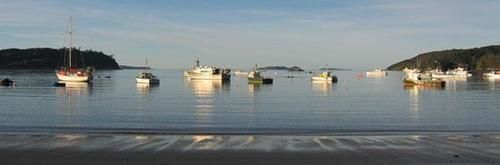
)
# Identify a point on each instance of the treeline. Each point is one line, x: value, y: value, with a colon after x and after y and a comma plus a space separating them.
x: 49, y: 58
x: 484, y: 58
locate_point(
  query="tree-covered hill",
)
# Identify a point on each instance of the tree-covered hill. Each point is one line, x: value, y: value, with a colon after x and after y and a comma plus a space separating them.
x: 484, y: 58
x: 48, y: 58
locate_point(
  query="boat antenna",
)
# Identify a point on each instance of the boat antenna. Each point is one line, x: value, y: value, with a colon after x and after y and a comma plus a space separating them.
x: 147, y: 65
x: 197, y: 61
x: 70, y: 31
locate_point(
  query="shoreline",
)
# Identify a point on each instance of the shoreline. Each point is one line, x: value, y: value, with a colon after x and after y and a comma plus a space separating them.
x: 71, y: 148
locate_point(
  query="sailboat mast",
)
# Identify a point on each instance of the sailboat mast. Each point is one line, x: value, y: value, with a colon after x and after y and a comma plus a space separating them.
x: 70, y: 31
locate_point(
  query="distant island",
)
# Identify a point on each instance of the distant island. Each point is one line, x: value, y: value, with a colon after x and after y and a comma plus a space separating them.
x: 484, y: 58
x: 133, y: 67
x: 49, y: 58
x: 293, y: 68
x: 339, y: 69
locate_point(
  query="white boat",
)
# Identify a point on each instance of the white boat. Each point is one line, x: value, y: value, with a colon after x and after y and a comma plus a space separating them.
x: 240, y: 73
x: 207, y: 73
x: 492, y: 74
x: 324, y: 76
x: 376, y: 72
x: 147, y: 77
x: 455, y: 73
x: 421, y: 79
x: 71, y: 72
x: 414, y: 70
x: 255, y: 77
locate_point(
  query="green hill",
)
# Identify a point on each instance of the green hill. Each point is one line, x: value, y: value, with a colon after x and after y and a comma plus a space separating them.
x: 484, y: 58
x: 48, y: 58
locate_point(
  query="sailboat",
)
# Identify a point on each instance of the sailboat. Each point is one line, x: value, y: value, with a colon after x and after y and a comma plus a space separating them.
x: 147, y: 77
x: 72, y: 73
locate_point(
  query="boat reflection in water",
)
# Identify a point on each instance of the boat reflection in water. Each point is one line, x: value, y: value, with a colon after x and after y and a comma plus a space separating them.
x: 414, y: 94
x: 202, y: 88
x: 493, y: 83
x: 145, y: 88
x: 204, y: 91
x: 322, y: 88
x: 74, y: 88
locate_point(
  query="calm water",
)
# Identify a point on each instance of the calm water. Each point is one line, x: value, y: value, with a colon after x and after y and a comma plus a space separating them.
x: 290, y: 105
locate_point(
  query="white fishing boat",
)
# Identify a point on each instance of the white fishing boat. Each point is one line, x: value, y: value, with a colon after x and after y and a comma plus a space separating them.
x: 455, y: 73
x: 255, y: 77
x: 207, y: 73
x: 492, y: 74
x: 407, y: 70
x: 71, y: 72
x: 324, y: 76
x: 376, y: 72
x: 421, y: 79
x: 147, y: 77
x: 240, y: 73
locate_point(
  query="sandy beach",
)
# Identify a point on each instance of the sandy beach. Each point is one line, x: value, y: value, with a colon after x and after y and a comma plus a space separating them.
x: 446, y: 148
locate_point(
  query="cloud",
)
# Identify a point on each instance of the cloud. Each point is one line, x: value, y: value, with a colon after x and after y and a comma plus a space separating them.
x: 278, y: 33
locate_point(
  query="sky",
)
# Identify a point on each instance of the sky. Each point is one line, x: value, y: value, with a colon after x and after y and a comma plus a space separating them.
x: 241, y: 33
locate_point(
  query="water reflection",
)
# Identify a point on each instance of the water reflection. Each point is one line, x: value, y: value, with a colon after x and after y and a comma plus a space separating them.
x: 322, y: 87
x: 492, y: 83
x: 145, y: 89
x: 202, y: 88
x: 413, y: 92
x: 74, y: 88
x: 253, y: 88
x: 454, y: 84
x: 70, y: 98
x: 204, y: 91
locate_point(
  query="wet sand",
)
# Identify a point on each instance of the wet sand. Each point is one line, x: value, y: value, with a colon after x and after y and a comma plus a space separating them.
x: 447, y: 148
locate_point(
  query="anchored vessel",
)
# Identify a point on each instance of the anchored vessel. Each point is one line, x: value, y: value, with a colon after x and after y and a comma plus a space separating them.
x: 207, y: 73
x: 147, y: 77
x: 455, y: 73
x: 492, y: 74
x: 376, y: 72
x: 255, y: 77
x: 240, y: 73
x: 72, y: 72
x: 324, y: 76
x: 415, y: 78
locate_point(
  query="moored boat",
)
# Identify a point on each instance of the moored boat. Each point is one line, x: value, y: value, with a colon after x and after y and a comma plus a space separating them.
x: 419, y: 79
x: 147, y: 77
x: 492, y: 74
x: 207, y: 73
x: 455, y: 73
x: 240, y: 73
x: 72, y: 72
x: 255, y: 77
x: 376, y: 72
x: 7, y: 82
x: 324, y: 76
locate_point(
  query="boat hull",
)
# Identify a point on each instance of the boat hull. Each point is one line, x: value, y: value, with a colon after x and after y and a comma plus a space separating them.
x: 327, y: 79
x: 199, y: 76
x: 383, y: 73
x: 451, y: 75
x: 74, y: 78
x: 147, y: 81
x: 491, y: 75
x: 259, y: 80
x: 430, y: 83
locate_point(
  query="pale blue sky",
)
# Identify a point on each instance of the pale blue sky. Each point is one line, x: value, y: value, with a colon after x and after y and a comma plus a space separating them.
x: 240, y: 33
